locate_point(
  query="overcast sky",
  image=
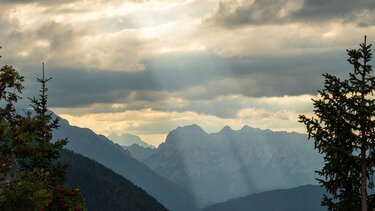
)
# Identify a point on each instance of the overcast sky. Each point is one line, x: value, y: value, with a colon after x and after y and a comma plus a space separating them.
x: 145, y: 67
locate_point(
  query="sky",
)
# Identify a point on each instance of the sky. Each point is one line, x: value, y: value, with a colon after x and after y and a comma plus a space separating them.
x: 144, y: 67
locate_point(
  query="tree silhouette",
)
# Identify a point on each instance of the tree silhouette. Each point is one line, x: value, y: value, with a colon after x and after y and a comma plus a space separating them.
x: 32, y: 178
x: 343, y: 131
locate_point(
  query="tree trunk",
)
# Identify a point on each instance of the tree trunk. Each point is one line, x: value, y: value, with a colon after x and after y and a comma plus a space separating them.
x: 363, y: 146
x: 363, y: 180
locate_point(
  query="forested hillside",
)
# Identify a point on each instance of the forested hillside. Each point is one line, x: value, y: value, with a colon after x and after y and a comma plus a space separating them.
x: 105, y: 190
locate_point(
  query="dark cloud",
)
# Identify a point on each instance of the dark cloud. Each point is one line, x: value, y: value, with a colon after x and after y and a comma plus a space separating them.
x: 212, y: 76
x: 341, y: 10
x: 233, y: 13
x: 71, y: 88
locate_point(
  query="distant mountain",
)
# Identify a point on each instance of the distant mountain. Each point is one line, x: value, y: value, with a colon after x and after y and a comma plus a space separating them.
x: 103, y: 189
x: 229, y: 164
x: 113, y: 156
x: 139, y: 152
x: 128, y: 140
x: 306, y: 198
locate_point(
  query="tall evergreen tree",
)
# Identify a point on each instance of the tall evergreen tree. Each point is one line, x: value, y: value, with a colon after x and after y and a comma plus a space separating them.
x: 39, y: 180
x: 344, y: 131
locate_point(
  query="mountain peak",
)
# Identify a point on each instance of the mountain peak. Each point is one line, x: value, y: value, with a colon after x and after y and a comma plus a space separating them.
x: 185, y: 133
x: 191, y: 128
x: 226, y: 130
x: 246, y: 127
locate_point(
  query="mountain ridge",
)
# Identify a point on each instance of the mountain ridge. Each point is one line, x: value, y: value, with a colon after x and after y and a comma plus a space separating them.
x: 233, y: 163
x: 306, y: 197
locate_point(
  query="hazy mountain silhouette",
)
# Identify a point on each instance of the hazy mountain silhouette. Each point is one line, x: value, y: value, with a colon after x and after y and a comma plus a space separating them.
x: 229, y: 164
x: 128, y: 140
x: 99, y: 148
x: 306, y: 198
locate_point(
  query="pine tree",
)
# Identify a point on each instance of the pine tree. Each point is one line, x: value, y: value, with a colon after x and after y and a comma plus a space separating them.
x: 34, y: 179
x: 344, y: 131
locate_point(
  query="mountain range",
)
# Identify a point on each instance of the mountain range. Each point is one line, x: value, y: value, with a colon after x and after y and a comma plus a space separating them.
x: 194, y: 169
x: 85, y: 142
x: 232, y: 163
x: 103, y: 189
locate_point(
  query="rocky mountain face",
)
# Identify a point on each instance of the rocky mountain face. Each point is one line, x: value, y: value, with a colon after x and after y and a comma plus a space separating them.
x: 228, y: 164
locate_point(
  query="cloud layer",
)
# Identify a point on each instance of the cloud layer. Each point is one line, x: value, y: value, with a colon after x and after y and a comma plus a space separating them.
x: 219, y: 61
x: 235, y: 13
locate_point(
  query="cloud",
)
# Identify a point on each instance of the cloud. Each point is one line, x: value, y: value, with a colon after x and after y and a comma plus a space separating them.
x: 62, y: 2
x: 65, y: 46
x: 229, y: 62
x: 232, y: 13
x: 189, y: 78
x: 226, y: 106
x: 97, y: 37
x: 358, y: 12
x: 126, y: 36
x: 235, y: 13
x: 54, y: 37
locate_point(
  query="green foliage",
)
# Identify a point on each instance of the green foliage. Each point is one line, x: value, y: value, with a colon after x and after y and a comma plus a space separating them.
x: 343, y: 130
x: 10, y: 87
x: 30, y: 177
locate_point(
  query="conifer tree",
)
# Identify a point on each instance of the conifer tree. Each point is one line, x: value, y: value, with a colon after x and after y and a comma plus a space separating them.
x: 31, y: 178
x: 344, y: 131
